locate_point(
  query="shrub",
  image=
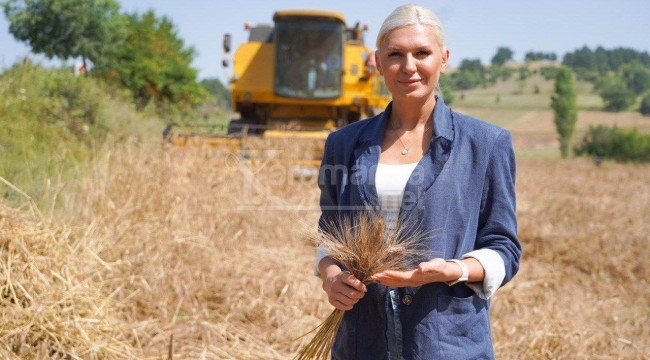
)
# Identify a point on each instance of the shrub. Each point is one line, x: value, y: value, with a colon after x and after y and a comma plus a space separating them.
x: 73, y: 102
x: 636, y: 77
x: 616, y: 96
x: 53, y: 122
x: 446, y: 87
x: 548, y: 72
x: 465, y: 80
x: 615, y: 143
x: 645, y: 105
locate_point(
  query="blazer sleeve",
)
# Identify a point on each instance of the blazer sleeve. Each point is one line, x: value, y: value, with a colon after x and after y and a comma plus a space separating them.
x: 328, y: 197
x: 327, y: 180
x: 497, y: 227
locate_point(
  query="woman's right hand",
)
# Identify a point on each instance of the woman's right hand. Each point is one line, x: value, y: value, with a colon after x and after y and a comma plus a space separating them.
x: 342, y: 288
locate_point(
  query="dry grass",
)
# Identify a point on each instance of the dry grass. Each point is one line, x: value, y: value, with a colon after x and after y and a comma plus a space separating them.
x: 583, y: 290
x: 53, y: 297
x: 206, y: 248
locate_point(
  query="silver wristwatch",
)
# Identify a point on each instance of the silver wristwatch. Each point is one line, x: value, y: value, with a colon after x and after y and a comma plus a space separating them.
x: 464, y: 276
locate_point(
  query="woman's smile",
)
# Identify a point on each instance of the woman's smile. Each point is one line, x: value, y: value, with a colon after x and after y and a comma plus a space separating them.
x: 410, y: 81
x: 409, y: 86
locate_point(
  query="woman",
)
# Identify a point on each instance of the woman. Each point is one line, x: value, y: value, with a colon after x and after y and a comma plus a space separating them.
x: 451, y: 174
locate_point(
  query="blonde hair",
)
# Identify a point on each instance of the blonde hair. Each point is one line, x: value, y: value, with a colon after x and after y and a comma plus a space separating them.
x: 411, y: 14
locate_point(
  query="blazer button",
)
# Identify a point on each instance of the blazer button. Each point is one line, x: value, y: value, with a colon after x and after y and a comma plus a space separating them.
x: 407, y: 300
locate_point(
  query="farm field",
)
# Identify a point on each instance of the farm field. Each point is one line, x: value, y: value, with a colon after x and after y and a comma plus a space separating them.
x: 157, y: 252
x: 161, y: 249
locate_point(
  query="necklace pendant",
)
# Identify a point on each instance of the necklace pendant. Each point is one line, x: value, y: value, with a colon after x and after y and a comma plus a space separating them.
x: 405, y: 151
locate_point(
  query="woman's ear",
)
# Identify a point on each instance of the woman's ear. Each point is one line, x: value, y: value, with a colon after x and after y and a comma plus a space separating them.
x: 378, y: 63
x: 444, y: 60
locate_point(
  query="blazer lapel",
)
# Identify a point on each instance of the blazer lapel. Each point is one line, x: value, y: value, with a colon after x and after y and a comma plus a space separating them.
x: 432, y: 163
x: 366, y: 156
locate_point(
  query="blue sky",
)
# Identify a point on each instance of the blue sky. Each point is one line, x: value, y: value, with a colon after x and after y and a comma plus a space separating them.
x: 474, y: 28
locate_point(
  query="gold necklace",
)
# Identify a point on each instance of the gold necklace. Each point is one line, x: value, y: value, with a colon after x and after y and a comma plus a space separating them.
x: 406, y: 149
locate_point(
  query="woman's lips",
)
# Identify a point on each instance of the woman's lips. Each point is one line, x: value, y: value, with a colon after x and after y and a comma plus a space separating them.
x: 413, y: 81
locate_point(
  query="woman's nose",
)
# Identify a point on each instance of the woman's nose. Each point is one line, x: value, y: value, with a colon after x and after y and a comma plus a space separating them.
x: 409, y: 64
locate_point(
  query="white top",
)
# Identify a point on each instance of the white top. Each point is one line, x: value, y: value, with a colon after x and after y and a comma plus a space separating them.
x: 390, y: 181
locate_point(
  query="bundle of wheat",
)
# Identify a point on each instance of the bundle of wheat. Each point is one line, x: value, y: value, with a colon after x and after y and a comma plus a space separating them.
x: 361, y: 244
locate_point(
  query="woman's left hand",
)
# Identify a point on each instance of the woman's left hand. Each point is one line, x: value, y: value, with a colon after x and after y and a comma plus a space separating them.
x: 436, y: 270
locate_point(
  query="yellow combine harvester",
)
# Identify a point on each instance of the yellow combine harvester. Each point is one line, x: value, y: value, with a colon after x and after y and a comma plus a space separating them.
x: 294, y: 82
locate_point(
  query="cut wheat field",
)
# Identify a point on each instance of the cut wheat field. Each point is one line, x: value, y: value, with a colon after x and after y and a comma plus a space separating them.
x: 197, y: 255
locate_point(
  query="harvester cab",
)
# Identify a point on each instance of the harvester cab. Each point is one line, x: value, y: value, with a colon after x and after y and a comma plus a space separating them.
x: 297, y: 80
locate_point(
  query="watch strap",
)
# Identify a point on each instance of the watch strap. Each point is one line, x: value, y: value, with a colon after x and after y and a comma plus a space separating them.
x: 464, y: 276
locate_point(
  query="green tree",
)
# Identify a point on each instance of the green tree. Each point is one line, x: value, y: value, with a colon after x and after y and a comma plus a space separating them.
x: 502, y: 56
x: 564, y: 104
x: 537, y: 56
x: 582, y: 59
x: 464, y: 80
x: 217, y: 90
x: 616, y: 96
x: 591, y: 65
x: 636, y: 77
x: 90, y: 29
x: 154, y: 64
x: 495, y: 74
x: 470, y: 74
x: 446, y: 88
x: 548, y: 72
x: 601, y: 60
x: 471, y: 65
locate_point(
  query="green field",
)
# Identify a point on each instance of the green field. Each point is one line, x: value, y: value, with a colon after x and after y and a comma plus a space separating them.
x: 527, y: 113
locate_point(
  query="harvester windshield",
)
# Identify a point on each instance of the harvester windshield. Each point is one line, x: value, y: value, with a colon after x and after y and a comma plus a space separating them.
x: 308, y: 58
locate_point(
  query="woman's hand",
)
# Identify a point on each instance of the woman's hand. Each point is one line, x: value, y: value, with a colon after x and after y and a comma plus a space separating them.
x: 342, y: 288
x: 436, y: 270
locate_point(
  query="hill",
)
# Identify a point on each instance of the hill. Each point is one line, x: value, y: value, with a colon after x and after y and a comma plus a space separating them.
x: 523, y: 107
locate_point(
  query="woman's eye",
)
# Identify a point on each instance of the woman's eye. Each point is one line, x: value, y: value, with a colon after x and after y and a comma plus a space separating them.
x: 393, y: 54
x: 422, y: 53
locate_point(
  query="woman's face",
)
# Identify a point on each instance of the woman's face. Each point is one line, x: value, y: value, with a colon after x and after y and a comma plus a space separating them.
x: 411, y: 62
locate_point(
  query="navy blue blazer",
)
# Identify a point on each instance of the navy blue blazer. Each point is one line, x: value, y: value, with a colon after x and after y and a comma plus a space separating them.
x: 462, y: 193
